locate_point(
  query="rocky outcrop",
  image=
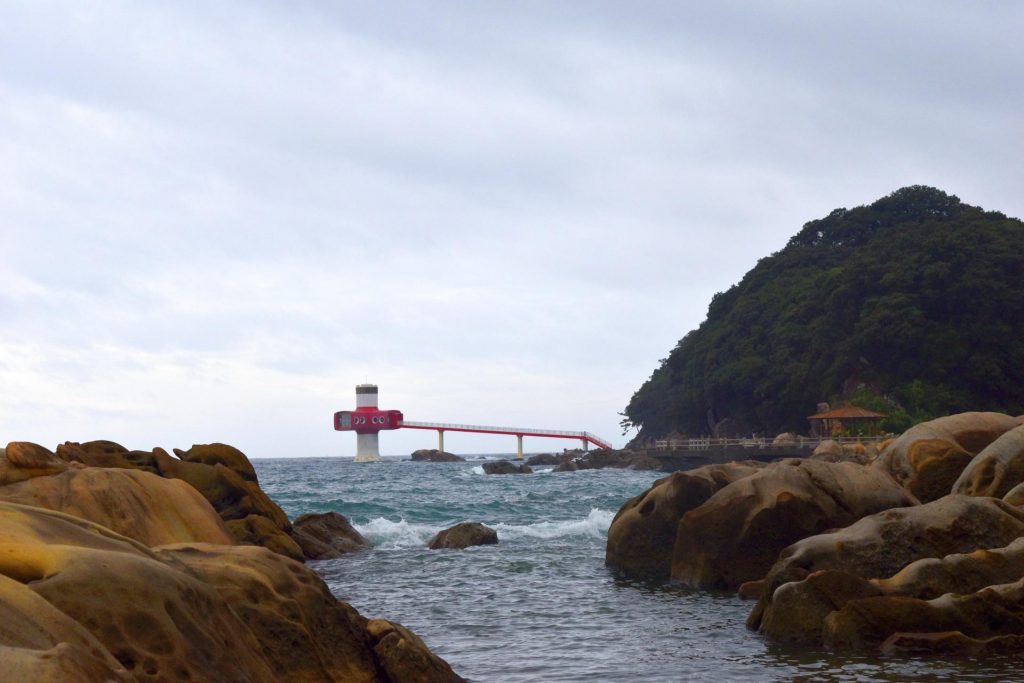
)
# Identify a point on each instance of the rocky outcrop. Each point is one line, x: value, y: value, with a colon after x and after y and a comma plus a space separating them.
x: 434, y: 455
x: 136, y: 504
x: 22, y: 460
x: 929, y: 458
x: 832, y: 451
x: 505, y: 467
x: 463, y: 535
x: 107, y: 454
x: 546, y: 459
x: 230, y: 486
x: 326, y: 535
x: 995, y: 470
x: 406, y: 658
x: 642, y: 536
x: 81, y: 602
x: 819, y: 575
x: 736, y: 535
x: 606, y: 457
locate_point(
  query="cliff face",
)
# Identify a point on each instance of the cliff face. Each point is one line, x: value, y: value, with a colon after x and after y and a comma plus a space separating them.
x: 907, y: 306
x: 119, y: 574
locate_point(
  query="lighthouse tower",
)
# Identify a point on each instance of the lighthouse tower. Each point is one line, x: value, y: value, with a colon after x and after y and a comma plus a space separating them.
x: 367, y: 421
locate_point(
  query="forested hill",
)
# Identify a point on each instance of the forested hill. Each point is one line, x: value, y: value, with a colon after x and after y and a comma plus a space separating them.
x: 912, y: 306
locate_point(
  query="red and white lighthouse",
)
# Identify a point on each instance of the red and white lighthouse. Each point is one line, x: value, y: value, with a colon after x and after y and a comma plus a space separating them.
x: 367, y: 421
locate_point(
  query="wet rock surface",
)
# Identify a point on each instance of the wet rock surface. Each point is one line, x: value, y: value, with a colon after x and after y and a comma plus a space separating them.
x: 463, y: 535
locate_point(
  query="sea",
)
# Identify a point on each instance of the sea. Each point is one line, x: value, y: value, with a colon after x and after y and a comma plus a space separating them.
x: 540, y: 606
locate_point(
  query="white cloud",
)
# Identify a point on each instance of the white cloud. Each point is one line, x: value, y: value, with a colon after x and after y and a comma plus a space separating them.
x: 216, y: 219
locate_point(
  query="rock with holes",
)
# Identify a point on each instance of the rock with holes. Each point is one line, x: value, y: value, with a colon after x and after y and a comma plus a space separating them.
x: 818, y: 575
x: 995, y: 470
x: 463, y: 535
x: 79, y: 602
x: 642, y: 535
x: 41, y: 644
x: 736, y: 535
x: 929, y: 458
x: 136, y: 504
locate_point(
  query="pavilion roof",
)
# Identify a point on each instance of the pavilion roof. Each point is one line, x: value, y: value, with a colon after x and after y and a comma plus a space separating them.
x: 847, y: 412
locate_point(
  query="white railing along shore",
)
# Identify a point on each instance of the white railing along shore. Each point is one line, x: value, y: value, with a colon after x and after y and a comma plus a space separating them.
x: 702, y: 443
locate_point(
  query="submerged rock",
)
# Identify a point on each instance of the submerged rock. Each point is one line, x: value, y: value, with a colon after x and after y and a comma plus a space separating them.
x: 463, y: 535
x: 642, y: 536
x: 434, y: 455
x: 327, y: 535
x: 505, y: 467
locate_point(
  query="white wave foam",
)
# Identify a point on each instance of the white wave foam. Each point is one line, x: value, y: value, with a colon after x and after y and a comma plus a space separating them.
x: 383, y: 533
x: 595, y: 525
x: 479, y: 469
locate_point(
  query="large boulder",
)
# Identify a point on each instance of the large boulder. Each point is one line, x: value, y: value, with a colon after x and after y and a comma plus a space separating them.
x: 830, y: 450
x: 996, y: 469
x: 219, y: 454
x: 463, y: 535
x: 642, y: 535
x: 326, y: 535
x: 434, y: 455
x: 139, y: 505
x: 505, y: 467
x: 107, y: 454
x: 79, y: 602
x: 236, y: 499
x: 405, y: 658
x: 736, y: 535
x: 996, y: 612
x: 304, y: 633
x: 22, y: 460
x: 800, y: 592
x: 929, y: 458
x: 39, y: 643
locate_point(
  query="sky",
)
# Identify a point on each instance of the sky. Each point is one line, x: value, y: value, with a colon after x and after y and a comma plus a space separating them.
x: 217, y: 218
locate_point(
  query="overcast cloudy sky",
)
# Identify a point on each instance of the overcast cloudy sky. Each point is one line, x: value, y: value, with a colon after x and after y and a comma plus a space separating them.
x: 217, y: 218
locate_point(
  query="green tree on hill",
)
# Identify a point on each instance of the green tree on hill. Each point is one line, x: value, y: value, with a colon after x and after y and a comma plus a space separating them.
x: 914, y: 306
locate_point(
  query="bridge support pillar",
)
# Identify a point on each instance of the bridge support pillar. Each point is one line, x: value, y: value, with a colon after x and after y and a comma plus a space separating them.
x: 586, y: 444
x: 519, y: 446
x: 440, y: 440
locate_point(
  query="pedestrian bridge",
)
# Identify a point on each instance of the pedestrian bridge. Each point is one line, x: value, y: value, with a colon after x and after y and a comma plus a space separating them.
x: 586, y: 438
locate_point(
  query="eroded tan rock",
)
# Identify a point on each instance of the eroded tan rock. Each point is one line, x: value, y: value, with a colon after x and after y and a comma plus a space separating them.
x: 736, y: 535
x: 107, y: 454
x: 41, y: 644
x: 136, y: 504
x: 405, y: 658
x: 23, y: 460
x: 327, y: 535
x: 642, y: 535
x: 929, y: 458
x: 305, y: 634
x: 877, y: 547
x: 219, y: 454
x: 995, y: 470
x: 463, y: 535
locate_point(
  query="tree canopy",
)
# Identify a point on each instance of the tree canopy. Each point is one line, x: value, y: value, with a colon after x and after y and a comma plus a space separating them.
x: 912, y: 306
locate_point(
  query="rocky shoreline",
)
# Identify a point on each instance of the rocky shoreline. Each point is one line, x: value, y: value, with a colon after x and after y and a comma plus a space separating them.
x: 920, y: 549
x: 120, y: 565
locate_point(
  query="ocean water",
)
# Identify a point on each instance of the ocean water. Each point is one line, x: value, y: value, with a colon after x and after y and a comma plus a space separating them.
x: 541, y: 606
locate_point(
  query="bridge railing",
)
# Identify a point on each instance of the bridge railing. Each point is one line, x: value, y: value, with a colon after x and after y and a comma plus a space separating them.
x: 706, y: 443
